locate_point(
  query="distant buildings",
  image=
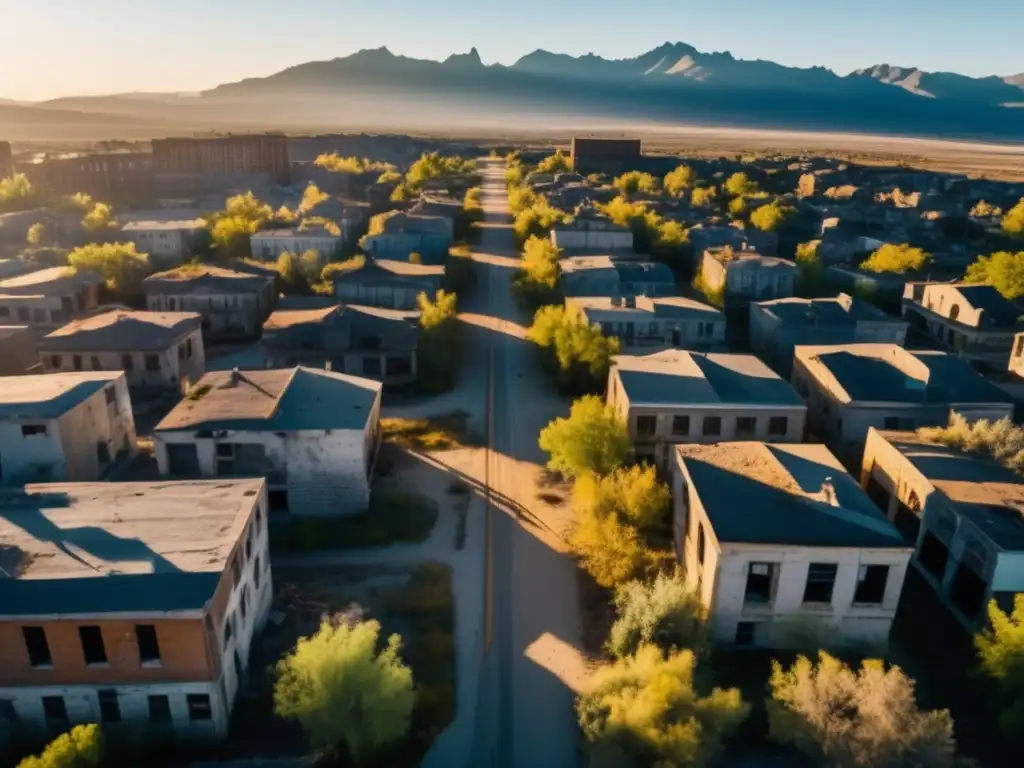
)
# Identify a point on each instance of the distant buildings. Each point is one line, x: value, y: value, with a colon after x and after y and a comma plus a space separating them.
x: 18, y: 343
x: 974, y: 321
x: 269, y: 244
x: 666, y: 321
x: 168, y: 243
x: 850, y: 388
x: 313, y: 434
x: 745, y: 276
x: 158, y: 351
x: 611, y: 156
x: 6, y: 160
x: 233, y: 304
x: 780, y: 544
x: 609, y: 276
x: 265, y: 154
x: 674, y: 397
x: 118, y: 177
x: 960, y: 513
x: 777, y: 326
x: 48, y: 298
x: 64, y: 426
x: 133, y: 605
x: 388, y: 283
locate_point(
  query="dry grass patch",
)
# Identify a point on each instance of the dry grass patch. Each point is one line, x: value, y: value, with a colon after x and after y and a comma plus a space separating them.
x: 433, y: 433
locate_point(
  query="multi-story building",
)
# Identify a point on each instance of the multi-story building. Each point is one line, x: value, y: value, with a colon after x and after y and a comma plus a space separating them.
x: 237, y: 154
x: 6, y: 160
x: 118, y: 177
x: 960, y: 513
x: 610, y: 276
x: 158, y: 351
x: 269, y: 244
x: 974, y: 321
x: 132, y: 605
x: 64, y: 426
x: 783, y: 546
x: 852, y: 387
x: 387, y: 283
x: 612, y: 156
x: 777, y: 327
x: 745, y: 276
x: 688, y: 397
x: 402, y: 234
x: 592, y: 231
x: 168, y: 243
x: 640, y: 321
x: 312, y: 433
x: 48, y: 298
x: 234, y: 304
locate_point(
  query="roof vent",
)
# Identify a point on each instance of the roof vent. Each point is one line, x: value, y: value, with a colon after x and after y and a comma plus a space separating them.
x: 828, y: 492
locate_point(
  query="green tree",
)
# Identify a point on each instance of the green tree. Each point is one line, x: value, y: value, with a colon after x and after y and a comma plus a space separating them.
x: 35, y: 234
x: 1001, y: 653
x: 679, y: 182
x: 703, y: 197
x: 643, y: 711
x: 768, y: 218
x: 633, y: 494
x: 581, y: 353
x: 856, y: 718
x: 438, y: 349
x: 740, y: 184
x: 591, y: 439
x: 1013, y: 221
x: 348, y: 698
x: 540, y: 261
x: 897, y: 259
x: 556, y: 163
x: 664, y: 612
x: 311, y: 198
x: 122, y: 267
x: 231, y: 228
x: 81, y: 747
x: 610, y: 550
x: 1003, y: 270
x: 635, y: 181
x: 100, y: 218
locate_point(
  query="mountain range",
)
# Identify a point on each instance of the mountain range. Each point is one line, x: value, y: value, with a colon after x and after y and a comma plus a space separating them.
x: 672, y: 84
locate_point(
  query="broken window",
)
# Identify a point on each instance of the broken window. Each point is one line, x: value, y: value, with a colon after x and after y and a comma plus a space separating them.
x: 821, y: 578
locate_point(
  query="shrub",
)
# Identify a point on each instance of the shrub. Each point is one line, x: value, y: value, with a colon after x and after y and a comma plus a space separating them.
x: 634, y: 495
x: 100, y: 218
x: 634, y: 181
x: 1001, y: 652
x: 855, y: 719
x: 679, y: 182
x: 555, y: 163
x: 81, y: 747
x: 35, y: 234
x: 1000, y: 440
x: 740, y: 184
x: 591, y: 439
x: 311, y: 198
x: 17, y: 193
x: 1004, y: 271
x: 704, y: 197
x: 664, y: 613
x: 1013, y: 221
x: 643, y: 711
x: 897, y: 259
x: 768, y: 218
x: 122, y: 267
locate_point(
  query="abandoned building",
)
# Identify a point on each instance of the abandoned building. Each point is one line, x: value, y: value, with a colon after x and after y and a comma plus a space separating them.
x: 20, y: 353
x: 269, y: 244
x: 744, y: 276
x: 402, y: 234
x: 48, y: 298
x: 611, y: 156
x: 168, y: 243
x: 114, y: 177
x: 641, y: 321
x: 592, y: 231
x: 264, y: 154
x: 387, y: 283
x: 609, y: 276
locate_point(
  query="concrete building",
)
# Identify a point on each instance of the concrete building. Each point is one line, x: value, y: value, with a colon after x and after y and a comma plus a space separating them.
x: 974, y: 321
x: 402, y: 234
x: 609, y: 276
x: 168, y: 243
x: 962, y: 514
x: 612, y: 156
x: 688, y: 397
x: 64, y: 426
x: 745, y: 276
x: 113, y: 177
x: 48, y: 298
x: 313, y: 434
x: 852, y: 387
x: 132, y: 605
x: 781, y: 545
x: 233, y: 304
x: 158, y: 351
x: 388, y: 284
x: 640, y: 321
x: 592, y: 231
x: 15, y: 267
x: 379, y: 344
x: 18, y: 343
x: 265, y: 154
x: 778, y: 326
x: 269, y: 244
x: 6, y: 160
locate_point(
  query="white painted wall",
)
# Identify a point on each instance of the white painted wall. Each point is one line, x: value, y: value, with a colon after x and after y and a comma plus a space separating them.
x: 268, y: 247
x: 591, y: 240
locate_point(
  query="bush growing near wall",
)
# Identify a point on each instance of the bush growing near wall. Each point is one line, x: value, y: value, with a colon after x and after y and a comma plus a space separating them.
x: 591, y: 439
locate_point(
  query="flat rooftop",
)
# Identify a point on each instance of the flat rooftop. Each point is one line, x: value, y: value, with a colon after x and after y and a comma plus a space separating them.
x: 675, y: 377
x: 50, y: 395
x: 728, y: 255
x: 889, y: 373
x: 761, y: 493
x: 309, y: 232
x: 86, y: 548
x: 38, y: 282
x: 678, y: 307
x: 207, y: 278
x: 123, y: 329
x: 161, y: 225
x: 278, y: 400
x: 843, y: 310
x: 988, y: 494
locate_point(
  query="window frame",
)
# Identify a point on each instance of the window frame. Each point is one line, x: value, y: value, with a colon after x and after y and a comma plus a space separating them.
x: 109, y: 705
x: 756, y: 599
x: 36, y: 660
x: 677, y: 420
x: 816, y: 578
x: 92, y: 635
x: 154, y: 657
x: 196, y: 702
x: 775, y: 420
x: 862, y: 574
x: 159, y: 714
x: 706, y: 425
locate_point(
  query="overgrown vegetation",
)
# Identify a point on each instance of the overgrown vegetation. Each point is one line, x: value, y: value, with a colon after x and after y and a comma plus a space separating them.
x: 1013, y: 221
x: 99, y: 219
x: 896, y: 259
x: 338, y: 164
x: 434, y: 165
x: 559, y: 162
x: 536, y: 283
x: 635, y: 181
x: 1001, y: 655
x: 438, y: 348
x: 81, y: 747
x: 591, y: 439
x: 769, y: 218
x: 679, y: 182
x: 433, y: 433
x: 739, y: 184
x: 704, y: 197
x: 122, y: 267
x: 1000, y: 440
x: 533, y: 215
x: 663, y: 612
x: 1003, y: 270
x: 580, y: 353
x: 17, y: 193
x: 231, y: 228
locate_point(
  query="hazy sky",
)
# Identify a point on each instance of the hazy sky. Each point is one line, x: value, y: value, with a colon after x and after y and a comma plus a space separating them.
x: 66, y: 47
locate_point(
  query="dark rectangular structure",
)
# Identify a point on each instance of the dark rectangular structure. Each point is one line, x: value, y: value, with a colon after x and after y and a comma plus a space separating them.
x: 112, y: 177
x: 237, y: 154
x: 605, y: 155
x: 6, y: 160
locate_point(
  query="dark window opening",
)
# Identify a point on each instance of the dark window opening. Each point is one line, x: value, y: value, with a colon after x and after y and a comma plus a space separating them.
x: 778, y: 426
x: 878, y: 494
x: 76, y: 362
x: 967, y: 591
x: 907, y: 523
x: 55, y: 710
x: 933, y: 555
x: 236, y: 569
x: 701, y: 543
x: 398, y: 366
x: 745, y: 633
x: 149, y: 648
x: 152, y: 362
x: 159, y: 709
x: 256, y: 572
x: 646, y: 426
x: 199, y: 706
x: 759, y: 583
x: 27, y: 430
x: 245, y: 603
x: 371, y: 366
x: 38, y: 648
x: 680, y: 425
x: 55, y: 361
x: 746, y: 426
x: 102, y: 453
x: 891, y: 422
x: 712, y: 426
x: 127, y: 362
x: 92, y: 645
x: 821, y: 578
x: 95, y: 363
x: 278, y: 500
x: 871, y: 581
x: 110, y: 708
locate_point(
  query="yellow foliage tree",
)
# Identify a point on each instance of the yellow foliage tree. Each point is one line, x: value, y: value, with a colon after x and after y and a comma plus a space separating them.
x: 311, y: 198
x: 100, y: 218
x: 897, y: 259
x: 591, y: 439
x: 556, y: 163
x: 740, y: 184
x: 1001, y: 653
x: 768, y: 218
x: 635, y: 181
x: 703, y: 196
x: 679, y: 182
x: 1013, y: 221
x: 81, y: 747
x: 122, y: 267
x: 35, y: 234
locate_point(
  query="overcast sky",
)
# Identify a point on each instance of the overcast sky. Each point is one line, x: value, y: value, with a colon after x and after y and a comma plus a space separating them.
x: 71, y: 47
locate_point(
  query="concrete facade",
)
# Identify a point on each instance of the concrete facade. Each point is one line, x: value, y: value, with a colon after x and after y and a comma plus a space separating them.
x: 745, y: 276
x: 118, y: 177
x: 793, y: 580
x: 270, y: 244
x: 168, y: 243
x: 388, y: 284
x: 265, y: 154
x: 48, y: 298
x: 590, y: 235
x: 639, y: 322
x: 609, y: 276
x: 64, y: 427
x: 613, y: 156
x: 19, y: 349
x: 317, y: 461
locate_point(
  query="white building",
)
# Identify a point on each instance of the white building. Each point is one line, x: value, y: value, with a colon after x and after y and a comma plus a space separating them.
x: 312, y: 433
x: 156, y: 350
x: 665, y: 321
x: 674, y: 397
x: 48, y: 298
x: 742, y: 276
x: 64, y: 426
x: 168, y: 243
x: 780, y: 544
x: 269, y: 244
x: 131, y: 605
